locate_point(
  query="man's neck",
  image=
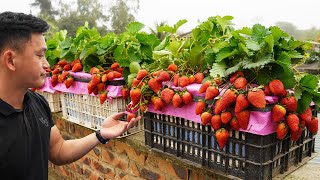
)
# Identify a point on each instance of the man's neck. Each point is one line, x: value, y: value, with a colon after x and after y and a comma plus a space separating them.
x: 11, y: 94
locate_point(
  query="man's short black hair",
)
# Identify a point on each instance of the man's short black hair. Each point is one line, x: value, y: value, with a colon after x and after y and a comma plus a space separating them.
x: 16, y: 29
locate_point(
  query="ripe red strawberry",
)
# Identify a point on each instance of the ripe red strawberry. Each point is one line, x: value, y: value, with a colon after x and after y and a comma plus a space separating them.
x: 217, y: 107
x: 54, y: 78
x: 156, y: 73
x: 62, y: 62
x: 135, y: 95
x: 95, y: 79
x: 75, y: 62
x: 281, y: 130
x: 222, y: 136
x: 164, y: 76
x: 217, y: 80
x: 141, y: 74
x: 67, y: 67
x: 267, y: 90
x: 204, y: 86
x: 77, y: 67
x: 114, y: 66
x: 211, y: 92
x: 154, y: 85
x: 257, y: 98
x: 226, y: 117
x: 278, y: 112
x: 157, y: 102
x: 57, y: 70
x: 234, y: 123
x: 198, y: 77
x: 216, y: 122
x: 176, y: 100
x: 241, y: 103
x: 186, y: 97
x: 69, y: 81
x: 94, y: 70
x: 176, y: 79
x: 116, y: 74
x: 277, y: 87
x: 290, y: 103
x: 91, y: 88
x: 103, y: 97
x: 205, y: 117
x: 101, y: 87
x: 167, y: 95
x: 293, y: 122
x: 130, y: 116
x: 191, y: 79
x: 295, y: 135
x: 172, y: 67
x: 313, y: 125
x: 243, y: 118
x: 110, y: 75
x: 306, y: 115
x: 104, y: 78
x: 235, y: 75
x: 135, y: 82
x: 143, y: 107
x: 240, y: 83
x: 183, y: 81
x: 200, y: 106
x: 125, y: 92
x: 227, y: 99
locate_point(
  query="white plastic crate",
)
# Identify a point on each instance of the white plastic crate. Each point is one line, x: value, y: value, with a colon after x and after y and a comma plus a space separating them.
x: 87, y: 111
x: 53, y: 100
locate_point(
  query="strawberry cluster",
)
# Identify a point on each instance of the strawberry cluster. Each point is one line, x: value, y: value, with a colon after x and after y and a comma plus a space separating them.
x: 60, y: 72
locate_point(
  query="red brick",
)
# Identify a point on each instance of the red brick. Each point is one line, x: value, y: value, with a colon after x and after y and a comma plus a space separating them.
x: 101, y: 167
x: 133, y: 169
x: 121, y: 147
x: 85, y: 160
x: 147, y: 174
x: 96, y: 152
x: 136, y: 155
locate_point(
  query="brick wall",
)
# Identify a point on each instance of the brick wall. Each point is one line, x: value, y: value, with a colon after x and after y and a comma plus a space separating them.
x: 125, y: 158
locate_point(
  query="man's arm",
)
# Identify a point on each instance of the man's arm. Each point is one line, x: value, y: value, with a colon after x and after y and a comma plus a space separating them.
x: 66, y: 151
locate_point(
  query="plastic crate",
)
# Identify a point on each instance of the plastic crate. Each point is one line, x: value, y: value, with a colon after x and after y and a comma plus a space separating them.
x: 246, y: 155
x: 53, y: 100
x: 87, y: 111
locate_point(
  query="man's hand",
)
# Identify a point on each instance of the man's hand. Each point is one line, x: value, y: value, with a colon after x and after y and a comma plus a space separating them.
x: 112, y: 127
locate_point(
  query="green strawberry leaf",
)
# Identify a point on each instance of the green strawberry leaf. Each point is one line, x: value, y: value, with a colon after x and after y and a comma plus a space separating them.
x: 260, y: 62
x: 134, y: 27
x: 218, y: 70
x: 224, y: 53
x: 304, y: 102
x: 309, y: 81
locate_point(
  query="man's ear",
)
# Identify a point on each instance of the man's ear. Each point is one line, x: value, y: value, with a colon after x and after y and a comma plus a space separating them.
x: 8, y: 59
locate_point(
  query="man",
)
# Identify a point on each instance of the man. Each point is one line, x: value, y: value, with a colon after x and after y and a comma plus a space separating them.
x: 28, y: 137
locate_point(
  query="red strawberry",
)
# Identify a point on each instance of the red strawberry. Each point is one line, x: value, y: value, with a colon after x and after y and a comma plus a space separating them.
x: 204, y: 86
x: 176, y: 100
x: 141, y: 74
x: 62, y: 62
x: 216, y: 122
x: 157, y: 102
x: 57, y: 70
x: 104, y: 78
x: 222, y: 136
x: 77, y: 67
x: 156, y: 73
x: 217, y: 107
x: 186, y: 97
x: 101, y: 87
x: 226, y: 117
x: 164, y: 76
x: 116, y: 74
x: 313, y: 125
x: 114, y: 66
x: 143, y: 107
x: 167, y: 95
x: 135, y: 82
x: 183, y: 81
x: 130, y: 116
x: 54, y: 78
x: 281, y: 130
x: 241, y: 103
x: 227, y: 99
x: 235, y: 75
x: 191, y: 79
x: 277, y: 87
x: 75, y: 62
x: 295, y: 135
x: 257, y: 98
x: 198, y: 77
x: 205, y: 117
x: 306, y: 115
x: 125, y: 92
x: 290, y: 103
x: 67, y: 67
x: 69, y: 81
x: 154, y: 85
x: 110, y: 75
x: 176, y: 79
x: 243, y: 118
x: 234, y: 123
x: 211, y: 92
x: 91, y: 88
x: 94, y: 70
x: 278, y: 112
x: 293, y: 122
x: 172, y: 67
x: 200, y: 106
x: 266, y: 90
x: 135, y: 95
x: 240, y: 83
x: 95, y: 79
x: 103, y: 97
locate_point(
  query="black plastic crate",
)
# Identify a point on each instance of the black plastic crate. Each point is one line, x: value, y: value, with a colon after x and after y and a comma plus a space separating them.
x: 246, y: 155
